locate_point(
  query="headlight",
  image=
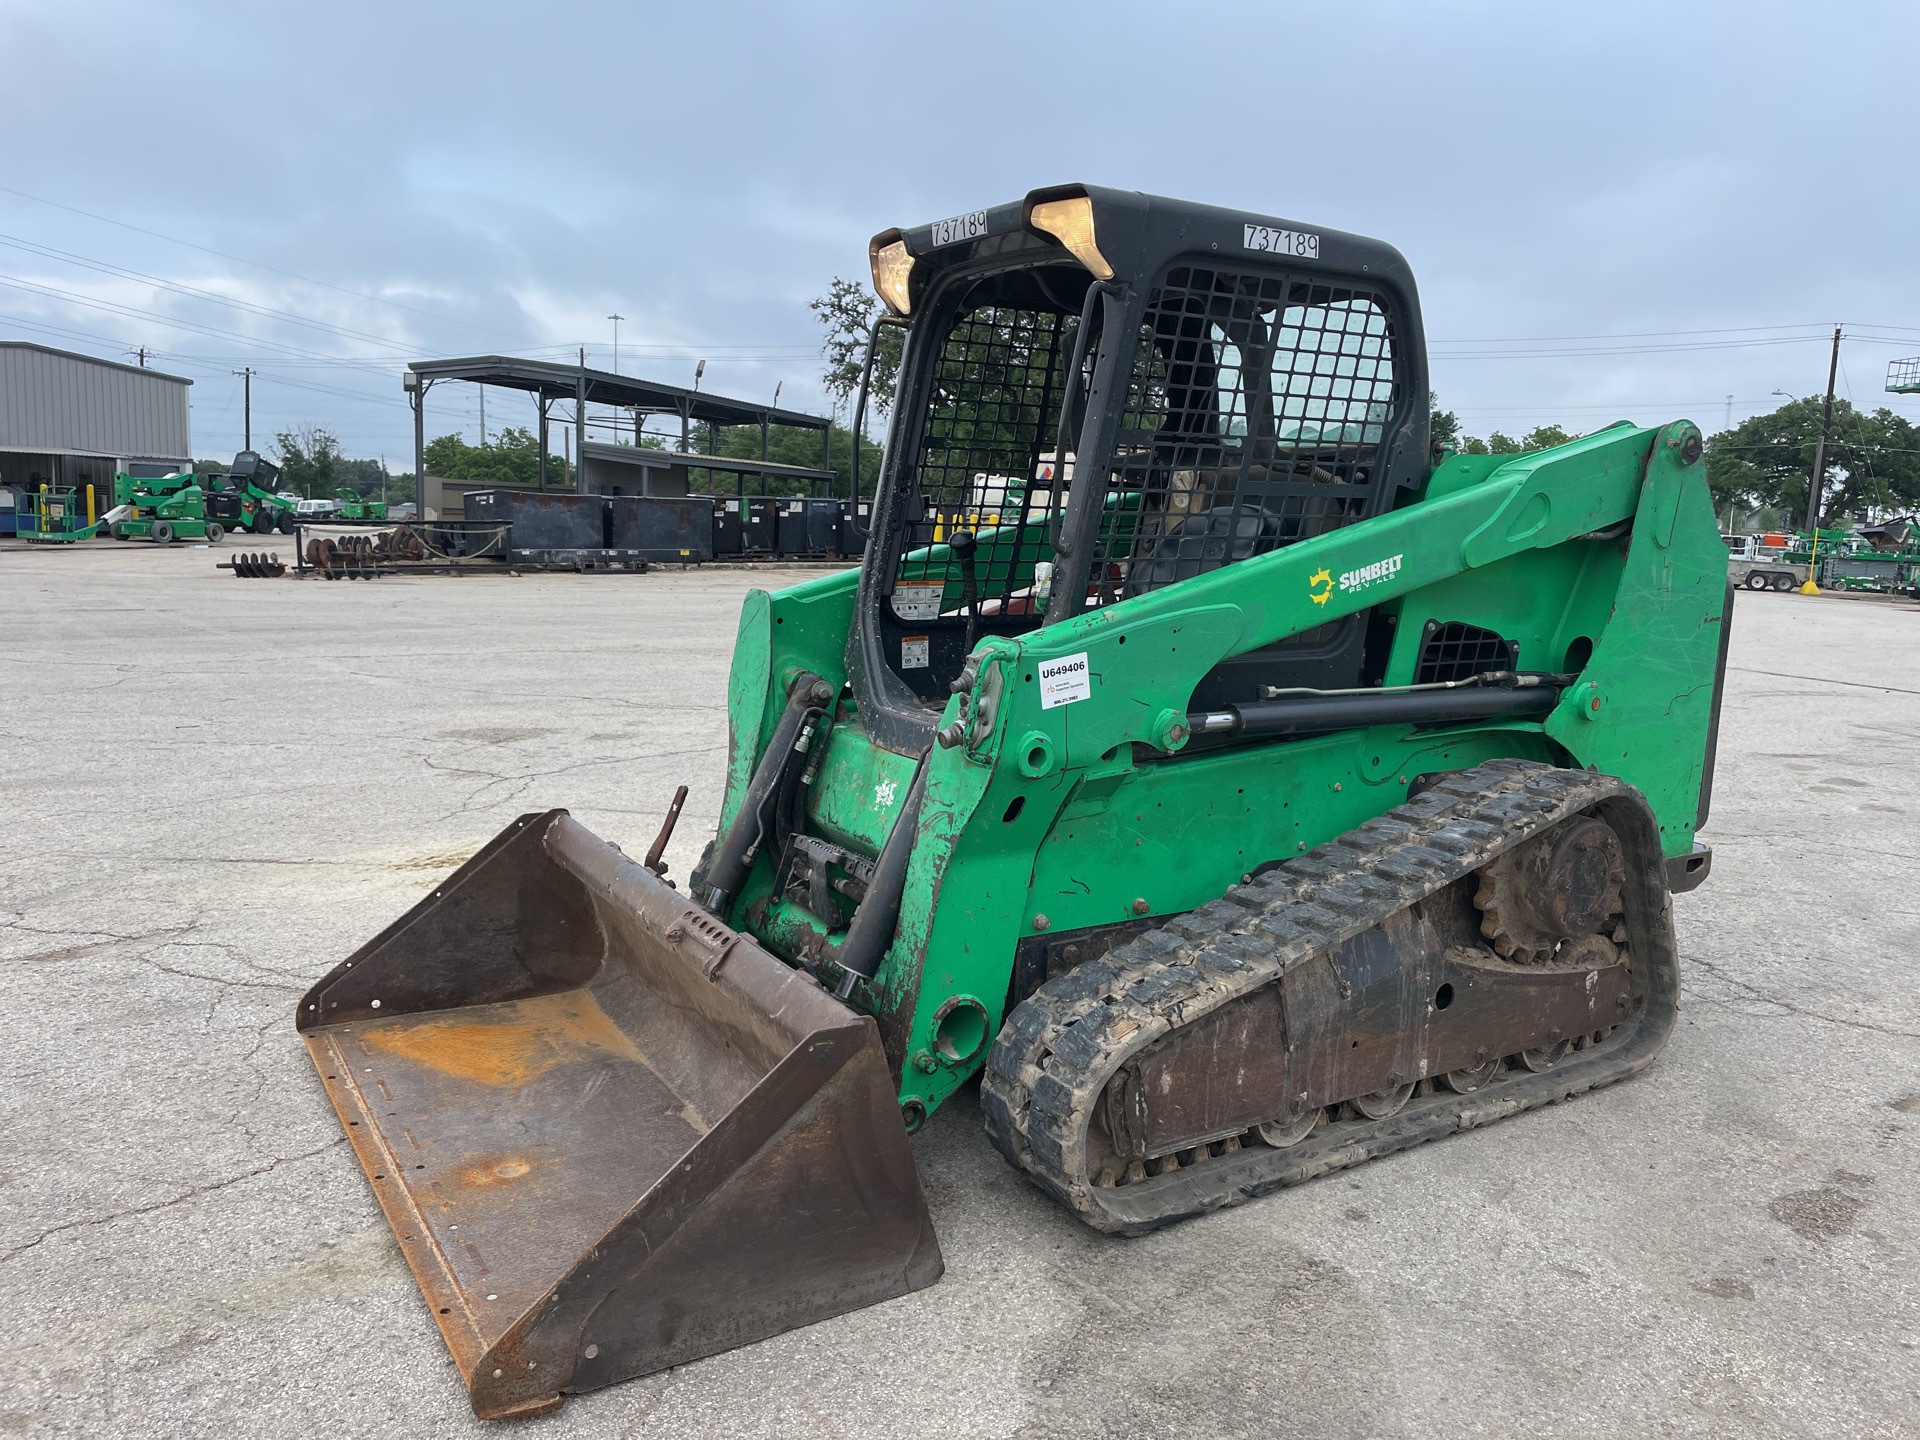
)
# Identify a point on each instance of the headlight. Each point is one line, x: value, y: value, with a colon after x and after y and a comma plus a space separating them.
x: 1070, y: 222
x: 892, y: 270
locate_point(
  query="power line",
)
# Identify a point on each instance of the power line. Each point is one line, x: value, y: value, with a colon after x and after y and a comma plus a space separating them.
x: 195, y: 292
x: 54, y: 292
x: 258, y: 265
x: 1637, y: 334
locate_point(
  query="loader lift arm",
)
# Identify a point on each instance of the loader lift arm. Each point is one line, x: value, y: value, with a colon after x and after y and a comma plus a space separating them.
x: 1243, y: 793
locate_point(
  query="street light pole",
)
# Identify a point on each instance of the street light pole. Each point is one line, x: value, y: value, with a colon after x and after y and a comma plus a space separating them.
x: 616, y: 319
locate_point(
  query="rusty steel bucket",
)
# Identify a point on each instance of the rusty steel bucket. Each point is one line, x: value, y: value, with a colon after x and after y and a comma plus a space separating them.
x: 610, y: 1133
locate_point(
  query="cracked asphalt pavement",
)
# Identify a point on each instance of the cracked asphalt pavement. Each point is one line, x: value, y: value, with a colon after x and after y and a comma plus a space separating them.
x: 214, y: 790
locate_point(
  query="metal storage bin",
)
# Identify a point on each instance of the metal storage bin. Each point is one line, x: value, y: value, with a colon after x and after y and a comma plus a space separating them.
x: 662, y: 528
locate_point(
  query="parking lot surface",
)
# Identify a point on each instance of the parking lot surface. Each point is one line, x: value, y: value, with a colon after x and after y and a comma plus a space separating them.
x: 214, y: 790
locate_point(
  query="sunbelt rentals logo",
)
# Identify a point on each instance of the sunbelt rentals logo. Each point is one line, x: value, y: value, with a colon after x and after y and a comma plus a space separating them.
x: 1321, y: 584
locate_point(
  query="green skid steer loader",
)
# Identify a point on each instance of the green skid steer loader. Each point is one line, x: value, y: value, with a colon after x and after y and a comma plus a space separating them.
x: 244, y: 499
x: 1254, y: 798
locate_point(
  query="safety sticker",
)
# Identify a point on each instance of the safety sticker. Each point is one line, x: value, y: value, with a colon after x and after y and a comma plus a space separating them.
x: 913, y: 652
x: 918, y: 601
x: 1064, y: 681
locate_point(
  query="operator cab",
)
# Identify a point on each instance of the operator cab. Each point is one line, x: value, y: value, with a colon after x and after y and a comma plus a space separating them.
x: 1105, y: 393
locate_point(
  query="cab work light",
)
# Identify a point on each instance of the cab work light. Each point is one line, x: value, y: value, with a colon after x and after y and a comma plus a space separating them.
x: 892, y: 271
x: 1070, y: 221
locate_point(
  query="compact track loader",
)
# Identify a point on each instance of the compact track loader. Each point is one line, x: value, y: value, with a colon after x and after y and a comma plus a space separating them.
x: 1237, y: 790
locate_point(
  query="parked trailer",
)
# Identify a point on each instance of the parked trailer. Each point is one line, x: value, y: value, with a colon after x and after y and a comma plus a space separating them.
x: 1754, y: 566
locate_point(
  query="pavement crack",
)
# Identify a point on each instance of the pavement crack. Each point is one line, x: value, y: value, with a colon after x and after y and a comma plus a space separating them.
x: 221, y: 980
x: 1824, y: 680
x: 1755, y: 993
x: 91, y: 946
x: 191, y: 1193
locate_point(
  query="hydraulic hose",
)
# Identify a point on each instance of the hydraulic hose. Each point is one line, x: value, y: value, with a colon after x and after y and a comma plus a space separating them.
x: 733, y: 857
x: 874, y: 923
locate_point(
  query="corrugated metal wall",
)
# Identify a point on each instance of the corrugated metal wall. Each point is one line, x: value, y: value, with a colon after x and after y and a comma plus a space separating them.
x: 54, y: 403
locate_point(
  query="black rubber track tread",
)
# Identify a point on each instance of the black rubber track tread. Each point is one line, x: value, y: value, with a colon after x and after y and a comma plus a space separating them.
x: 1059, y: 1048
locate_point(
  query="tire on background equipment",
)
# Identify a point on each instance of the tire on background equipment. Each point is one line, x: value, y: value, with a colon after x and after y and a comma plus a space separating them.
x: 214, y: 533
x: 1755, y: 580
x: 162, y: 532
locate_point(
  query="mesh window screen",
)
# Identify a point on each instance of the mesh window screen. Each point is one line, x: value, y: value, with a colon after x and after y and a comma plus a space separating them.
x: 986, y: 452
x: 1456, y: 650
x: 1253, y: 417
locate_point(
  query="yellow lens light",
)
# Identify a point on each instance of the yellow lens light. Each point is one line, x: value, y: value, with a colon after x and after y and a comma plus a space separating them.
x: 892, y: 270
x: 1071, y: 223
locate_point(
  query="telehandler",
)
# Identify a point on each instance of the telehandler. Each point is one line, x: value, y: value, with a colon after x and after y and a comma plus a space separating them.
x: 1258, y: 796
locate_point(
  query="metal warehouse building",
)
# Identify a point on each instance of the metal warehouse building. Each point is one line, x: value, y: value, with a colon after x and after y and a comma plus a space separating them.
x: 72, y: 420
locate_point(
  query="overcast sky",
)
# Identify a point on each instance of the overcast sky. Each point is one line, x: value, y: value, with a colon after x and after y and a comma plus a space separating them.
x: 1614, y: 210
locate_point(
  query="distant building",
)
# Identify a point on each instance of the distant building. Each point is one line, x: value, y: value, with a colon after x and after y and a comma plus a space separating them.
x: 70, y: 420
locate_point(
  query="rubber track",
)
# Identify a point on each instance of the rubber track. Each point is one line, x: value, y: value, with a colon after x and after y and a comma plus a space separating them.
x: 1058, y: 1049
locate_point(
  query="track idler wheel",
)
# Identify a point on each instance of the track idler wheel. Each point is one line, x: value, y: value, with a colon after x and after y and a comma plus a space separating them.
x: 1562, y: 887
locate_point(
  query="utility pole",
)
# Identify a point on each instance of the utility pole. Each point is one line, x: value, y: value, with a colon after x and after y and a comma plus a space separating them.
x: 1820, y: 450
x: 483, y: 417
x: 1729, y: 424
x: 1819, y: 478
x: 247, y: 376
x: 141, y: 354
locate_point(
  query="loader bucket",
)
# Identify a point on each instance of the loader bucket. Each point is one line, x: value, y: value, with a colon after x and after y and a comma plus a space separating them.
x: 610, y: 1133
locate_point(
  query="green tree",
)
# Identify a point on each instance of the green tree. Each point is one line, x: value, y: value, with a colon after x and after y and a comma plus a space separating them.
x: 1443, y: 426
x: 1494, y: 444
x: 309, y: 461
x: 1545, y: 437
x: 1873, y: 462
x: 512, y: 458
x: 847, y: 312
x: 787, y: 445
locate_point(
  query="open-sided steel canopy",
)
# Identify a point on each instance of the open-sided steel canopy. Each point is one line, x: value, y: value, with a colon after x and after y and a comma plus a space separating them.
x: 548, y: 381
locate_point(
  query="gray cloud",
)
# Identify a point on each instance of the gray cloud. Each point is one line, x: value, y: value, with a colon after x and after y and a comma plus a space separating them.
x: 513, y: 174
